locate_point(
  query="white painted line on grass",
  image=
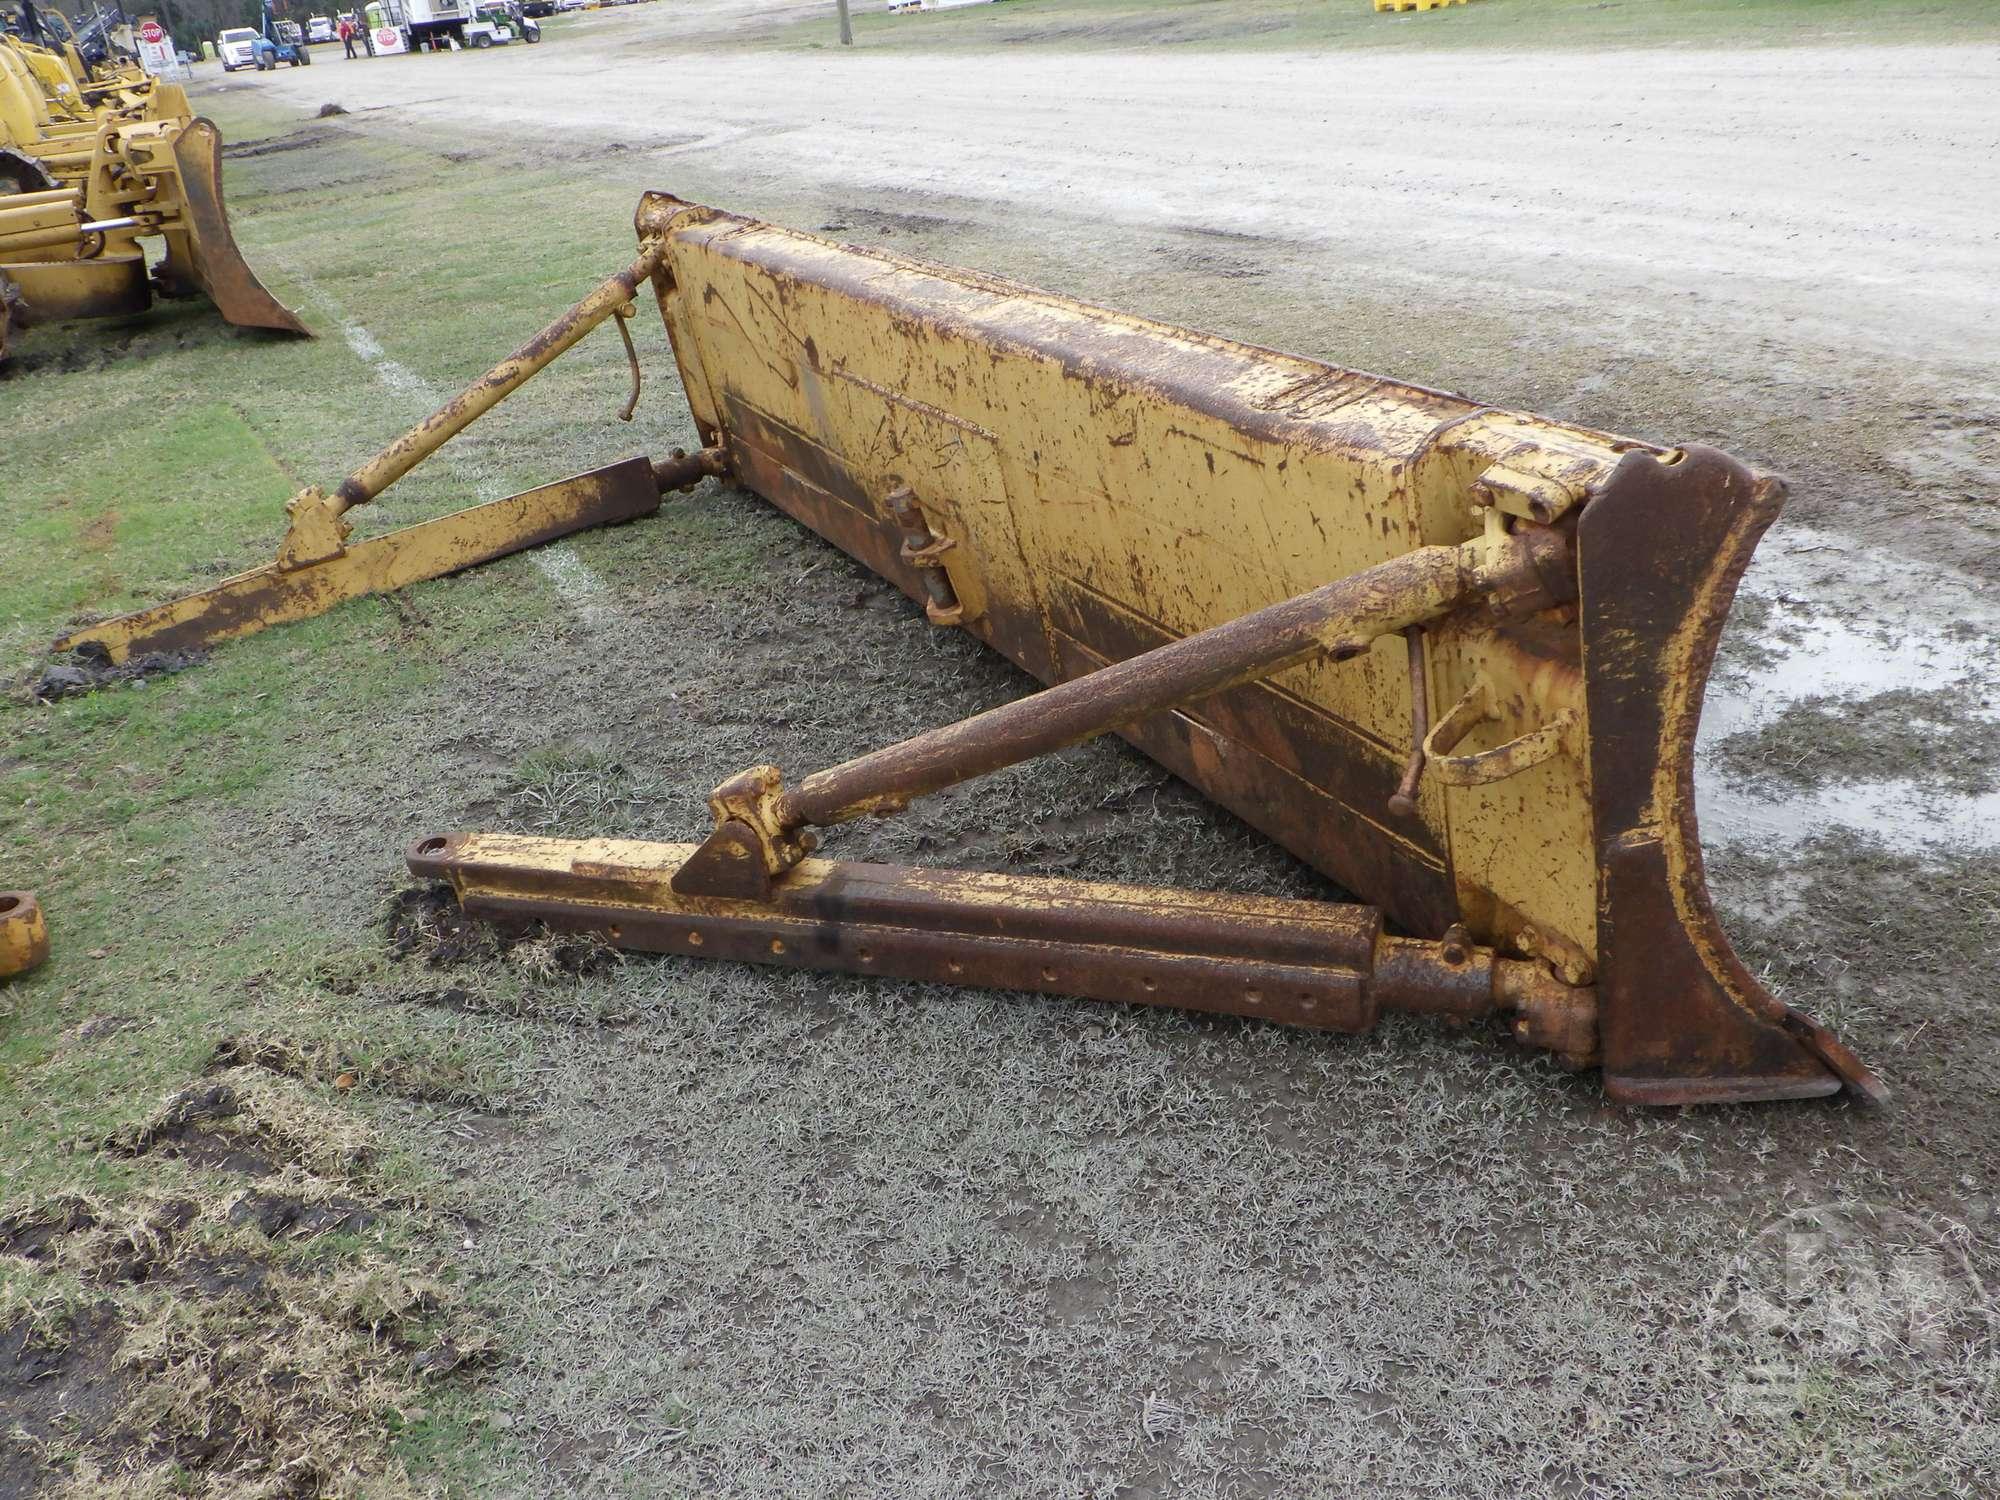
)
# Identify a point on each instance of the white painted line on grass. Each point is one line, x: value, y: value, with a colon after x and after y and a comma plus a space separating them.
x: 573, y: 579
x: 399, y: 377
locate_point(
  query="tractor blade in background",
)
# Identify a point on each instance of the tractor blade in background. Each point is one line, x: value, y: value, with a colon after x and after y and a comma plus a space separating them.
x: 213, y: 260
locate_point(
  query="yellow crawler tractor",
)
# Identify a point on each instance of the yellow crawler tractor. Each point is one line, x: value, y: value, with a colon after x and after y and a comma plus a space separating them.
x: 91, y: 167
x: 1451, y: 656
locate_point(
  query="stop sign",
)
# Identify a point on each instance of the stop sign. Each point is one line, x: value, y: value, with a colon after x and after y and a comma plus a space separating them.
x: 152, y: 32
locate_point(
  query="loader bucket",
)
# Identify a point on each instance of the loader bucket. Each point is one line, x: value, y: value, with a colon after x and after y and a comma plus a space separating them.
x: 204, y: 250
x: 1449, y: 655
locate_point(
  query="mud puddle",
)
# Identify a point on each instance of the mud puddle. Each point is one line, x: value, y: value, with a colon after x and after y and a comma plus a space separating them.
x: 1822, y: 618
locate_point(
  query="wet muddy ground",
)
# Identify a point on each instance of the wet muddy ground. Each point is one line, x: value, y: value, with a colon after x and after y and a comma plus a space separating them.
x: 750, y: 1233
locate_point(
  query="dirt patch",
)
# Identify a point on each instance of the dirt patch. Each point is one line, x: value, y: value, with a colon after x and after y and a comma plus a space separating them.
x: 189, y: 1345
x: 59, y: 1384
x: 419, y: 1077
x: 100, y: 534
x: 534, y: 974
x: 426, y: 922
x: 866, y: 225
x: 96, y: 1028
x: 243, y: 1123
x: 550, y: 957
x: 273, y: 145
x: 290, y: 1216
x: 90, y: 667
x: 1936, y: 735
x: 28, y: 1232
x: 135, y: 1250
x: 98, y: 1245
x: 198, y: 1127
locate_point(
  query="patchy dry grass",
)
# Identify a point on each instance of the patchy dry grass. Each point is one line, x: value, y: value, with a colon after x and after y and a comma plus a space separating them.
x: 257, y: 1333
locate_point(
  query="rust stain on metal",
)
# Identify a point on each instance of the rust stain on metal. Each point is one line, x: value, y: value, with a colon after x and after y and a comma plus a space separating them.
x: 274, y: 594
x: 24, y: 933
x: 1684, y: 1020
x: 1143, y: 491
x: 1312, y: 964
x: 212, y: 258
x: 396, y: 460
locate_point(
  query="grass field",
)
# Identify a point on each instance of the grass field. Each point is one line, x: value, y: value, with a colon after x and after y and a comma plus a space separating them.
x: 288, y: 1207
x: 1514, y: 24
x: 146, y: 458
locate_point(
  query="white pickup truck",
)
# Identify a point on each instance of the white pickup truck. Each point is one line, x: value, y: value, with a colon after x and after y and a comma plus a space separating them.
x: 236, y: 47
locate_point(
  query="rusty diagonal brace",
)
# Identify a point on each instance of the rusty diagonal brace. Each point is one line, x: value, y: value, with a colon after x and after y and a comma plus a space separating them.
x: 316, y: 568
x: 317, y: 530
x: 759, y: 825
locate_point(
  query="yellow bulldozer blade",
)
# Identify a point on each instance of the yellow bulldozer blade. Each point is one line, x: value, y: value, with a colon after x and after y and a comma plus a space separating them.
x: 1450, y: 655
x: 138, y: 165
x: 211, y: 259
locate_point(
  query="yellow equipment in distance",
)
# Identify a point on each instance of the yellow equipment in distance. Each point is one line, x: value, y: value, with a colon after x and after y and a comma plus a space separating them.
x: 92, y: 166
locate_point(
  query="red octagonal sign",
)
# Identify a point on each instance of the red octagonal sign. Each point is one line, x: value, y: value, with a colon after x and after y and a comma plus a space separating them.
x: 152, y: 32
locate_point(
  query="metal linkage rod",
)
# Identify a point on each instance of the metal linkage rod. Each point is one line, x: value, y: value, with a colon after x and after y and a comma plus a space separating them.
x: 1341, y: 618
x: 396, y: 460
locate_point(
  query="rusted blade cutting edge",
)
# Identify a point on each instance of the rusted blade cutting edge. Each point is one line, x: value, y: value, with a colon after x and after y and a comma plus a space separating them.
x: 218, y: 265
x: 1660, y: 551
x: 272, y: 595
x: 1300, y: 963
